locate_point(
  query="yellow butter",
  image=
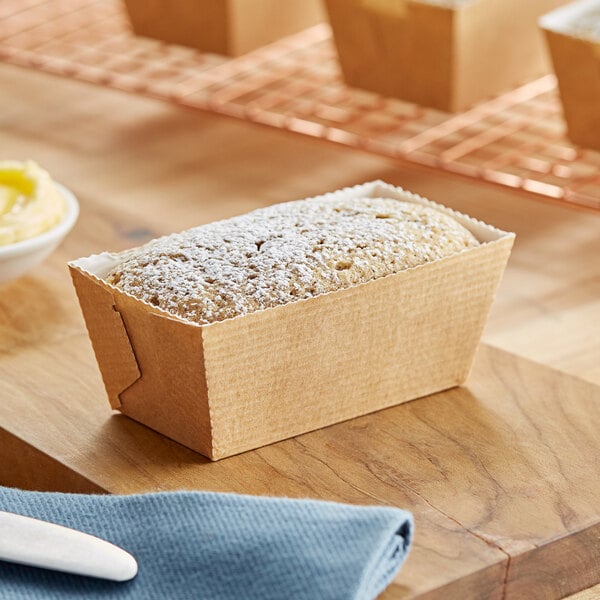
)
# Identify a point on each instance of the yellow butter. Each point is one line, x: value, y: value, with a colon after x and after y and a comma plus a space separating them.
x: 30, y: 203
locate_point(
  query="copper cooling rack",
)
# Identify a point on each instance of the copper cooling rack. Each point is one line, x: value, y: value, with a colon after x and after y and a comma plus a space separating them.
x: 516, y: 140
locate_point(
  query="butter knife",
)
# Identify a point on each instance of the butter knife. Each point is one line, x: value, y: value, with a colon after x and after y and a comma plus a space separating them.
x: 28, y: 541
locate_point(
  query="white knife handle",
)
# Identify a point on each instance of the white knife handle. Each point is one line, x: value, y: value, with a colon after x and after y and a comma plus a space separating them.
x: 36, y: 543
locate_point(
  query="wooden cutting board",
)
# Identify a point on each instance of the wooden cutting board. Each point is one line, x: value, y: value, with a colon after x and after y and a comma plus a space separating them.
x: 506, y: 467
x: 501, y: 475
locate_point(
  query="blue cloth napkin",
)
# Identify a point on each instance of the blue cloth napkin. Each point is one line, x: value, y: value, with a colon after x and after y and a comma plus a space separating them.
x: 211, y: 546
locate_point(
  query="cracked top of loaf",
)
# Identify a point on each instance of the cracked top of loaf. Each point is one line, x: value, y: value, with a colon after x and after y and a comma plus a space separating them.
x: 285, y: 252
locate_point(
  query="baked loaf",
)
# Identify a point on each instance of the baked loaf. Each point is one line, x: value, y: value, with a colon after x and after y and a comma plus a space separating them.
x: 283, y: 253
x: 586, y: 26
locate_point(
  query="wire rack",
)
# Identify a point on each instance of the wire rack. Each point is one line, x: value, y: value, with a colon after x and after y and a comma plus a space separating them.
x: 515, y: 140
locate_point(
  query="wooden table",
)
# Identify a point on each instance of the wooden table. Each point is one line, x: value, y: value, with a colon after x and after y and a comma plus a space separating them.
x: 502, y: 475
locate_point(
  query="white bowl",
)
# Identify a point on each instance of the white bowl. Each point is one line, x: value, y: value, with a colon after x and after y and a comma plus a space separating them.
x: 17, y: 258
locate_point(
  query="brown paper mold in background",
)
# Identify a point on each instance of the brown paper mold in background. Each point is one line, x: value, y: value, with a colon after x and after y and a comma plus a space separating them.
x: 577, y: 64
x: 436, y: 53
x: 230, y: 27
x: 238, y: 384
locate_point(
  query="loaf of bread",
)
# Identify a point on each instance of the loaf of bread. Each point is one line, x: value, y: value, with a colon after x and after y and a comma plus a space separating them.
x: 283, y: 253
x: 585, y: 26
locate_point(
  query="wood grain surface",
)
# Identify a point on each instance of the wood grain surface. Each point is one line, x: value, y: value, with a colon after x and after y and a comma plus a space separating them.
x: 502, y: 475
x: 592, y: 593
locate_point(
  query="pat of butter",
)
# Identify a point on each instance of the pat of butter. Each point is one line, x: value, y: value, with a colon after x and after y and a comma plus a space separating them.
x: 30, y: 204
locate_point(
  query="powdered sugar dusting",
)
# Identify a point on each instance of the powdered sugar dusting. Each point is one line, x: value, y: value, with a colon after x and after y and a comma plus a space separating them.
x: 283, y: 253
x: 586, y: 26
